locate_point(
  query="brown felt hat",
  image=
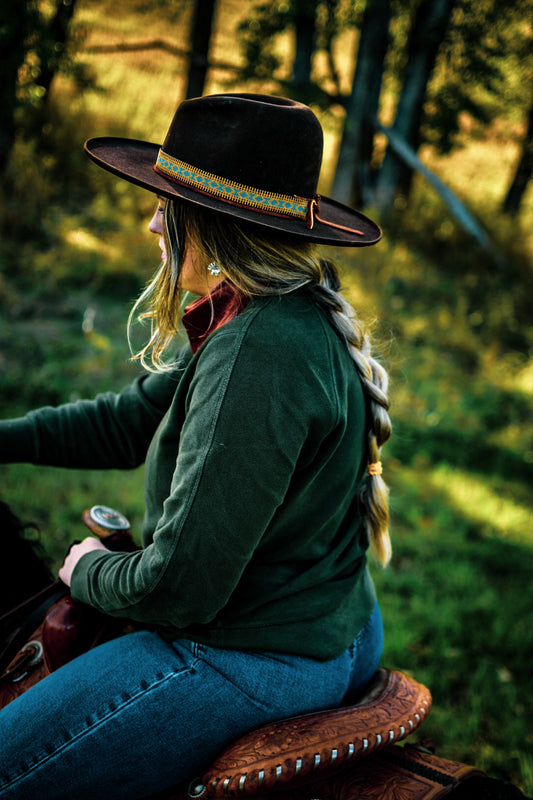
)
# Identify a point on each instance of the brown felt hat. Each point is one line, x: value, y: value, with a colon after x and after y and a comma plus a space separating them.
x: 250, y: 156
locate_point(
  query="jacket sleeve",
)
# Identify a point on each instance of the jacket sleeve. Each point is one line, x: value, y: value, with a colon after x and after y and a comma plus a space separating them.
x: 249, y: 416
x: 112, y: 431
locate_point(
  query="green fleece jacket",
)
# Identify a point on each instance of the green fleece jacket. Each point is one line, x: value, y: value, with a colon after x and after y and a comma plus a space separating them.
x: 255, y: 452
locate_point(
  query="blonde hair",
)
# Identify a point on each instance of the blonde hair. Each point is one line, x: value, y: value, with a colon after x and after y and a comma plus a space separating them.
x: 257, y: 262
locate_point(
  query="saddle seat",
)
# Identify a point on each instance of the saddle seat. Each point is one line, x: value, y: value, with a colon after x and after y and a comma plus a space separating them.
x: 304, y: 749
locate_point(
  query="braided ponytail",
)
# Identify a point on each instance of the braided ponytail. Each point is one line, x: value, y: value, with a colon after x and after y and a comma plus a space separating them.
x: 374, y: 494
x: 256, y: 263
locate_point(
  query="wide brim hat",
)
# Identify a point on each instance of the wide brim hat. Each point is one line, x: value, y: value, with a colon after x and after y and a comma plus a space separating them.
x: 252, y: 157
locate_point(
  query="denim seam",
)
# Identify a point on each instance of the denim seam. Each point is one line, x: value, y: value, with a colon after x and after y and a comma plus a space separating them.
x: 363, y: 633
x: 253, y: 700
x: 90, y: 728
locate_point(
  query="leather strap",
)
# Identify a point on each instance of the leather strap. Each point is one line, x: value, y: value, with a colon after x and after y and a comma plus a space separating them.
x: 22, y: 673
x: 415, y: 774
x: 22, y: 621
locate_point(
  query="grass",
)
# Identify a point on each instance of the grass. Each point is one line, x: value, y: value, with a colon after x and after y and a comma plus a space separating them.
x: 456, y: 599
x: 454, y: 331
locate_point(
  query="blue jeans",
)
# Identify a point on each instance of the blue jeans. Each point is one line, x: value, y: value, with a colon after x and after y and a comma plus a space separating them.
x: 138, y: 714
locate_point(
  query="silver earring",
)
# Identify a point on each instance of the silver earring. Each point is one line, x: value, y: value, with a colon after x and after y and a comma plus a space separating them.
x: 214, y: 269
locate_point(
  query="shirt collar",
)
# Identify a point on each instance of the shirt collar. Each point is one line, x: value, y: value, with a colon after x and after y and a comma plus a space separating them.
x: 210, y: 312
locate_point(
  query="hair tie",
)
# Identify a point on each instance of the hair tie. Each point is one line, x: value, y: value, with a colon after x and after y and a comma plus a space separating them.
x: 375, y: 468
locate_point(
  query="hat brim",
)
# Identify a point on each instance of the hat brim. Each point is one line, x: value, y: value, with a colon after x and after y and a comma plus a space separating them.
x: 134, y: 161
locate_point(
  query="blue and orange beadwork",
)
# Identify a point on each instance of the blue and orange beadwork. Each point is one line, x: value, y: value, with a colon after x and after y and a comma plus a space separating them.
x: 225, y: 189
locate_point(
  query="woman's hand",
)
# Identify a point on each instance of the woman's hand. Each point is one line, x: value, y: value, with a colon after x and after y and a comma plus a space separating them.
x: 76, y: 552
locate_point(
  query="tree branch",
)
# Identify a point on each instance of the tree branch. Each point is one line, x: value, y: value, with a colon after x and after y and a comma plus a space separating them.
x: 155, y: 44
x: 458, y: 209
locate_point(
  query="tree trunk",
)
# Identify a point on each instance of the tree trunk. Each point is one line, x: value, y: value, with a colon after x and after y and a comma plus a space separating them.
x: 329, y: 32
x: 353, y: 177
x: 54, y: 43
x: 14, y: 28
x: 524, y: 171
x: 458, y: 209
x: 202, y: 25
x: 305, y: 42
x: 427, y: 33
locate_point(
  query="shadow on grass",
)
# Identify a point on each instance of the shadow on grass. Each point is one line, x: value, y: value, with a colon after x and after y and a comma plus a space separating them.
x: 457, y: 610
x: 461, y: 448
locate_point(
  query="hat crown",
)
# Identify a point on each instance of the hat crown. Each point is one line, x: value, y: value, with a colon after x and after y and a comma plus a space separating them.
x: 269, y: 143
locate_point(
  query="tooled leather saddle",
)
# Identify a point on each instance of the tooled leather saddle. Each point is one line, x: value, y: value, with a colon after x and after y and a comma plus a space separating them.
x: 339, y: 754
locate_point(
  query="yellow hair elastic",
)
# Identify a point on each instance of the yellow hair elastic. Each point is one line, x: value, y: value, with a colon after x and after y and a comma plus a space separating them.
x: 375, y: 468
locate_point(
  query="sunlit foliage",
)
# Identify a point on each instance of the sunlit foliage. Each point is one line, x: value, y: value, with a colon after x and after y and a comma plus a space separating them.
x: 453, y: 327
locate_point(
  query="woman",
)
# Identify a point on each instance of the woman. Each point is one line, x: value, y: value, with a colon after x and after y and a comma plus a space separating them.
x: 261, y: 440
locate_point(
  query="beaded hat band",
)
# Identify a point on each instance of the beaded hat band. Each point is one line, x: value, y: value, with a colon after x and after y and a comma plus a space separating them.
x: 225, y: 189
x: 282, y: 205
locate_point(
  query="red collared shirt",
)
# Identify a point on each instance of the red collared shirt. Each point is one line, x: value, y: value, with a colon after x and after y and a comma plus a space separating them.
x: 210, y: 312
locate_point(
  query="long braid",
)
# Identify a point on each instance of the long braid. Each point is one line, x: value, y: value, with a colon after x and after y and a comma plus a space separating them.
x: 374, y: 495
x: 256, y: 263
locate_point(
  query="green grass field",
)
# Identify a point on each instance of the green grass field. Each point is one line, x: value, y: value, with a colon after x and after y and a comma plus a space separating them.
x: 454, y: 330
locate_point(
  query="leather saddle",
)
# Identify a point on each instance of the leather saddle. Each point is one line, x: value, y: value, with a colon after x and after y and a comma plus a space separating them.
x: 338, y: 754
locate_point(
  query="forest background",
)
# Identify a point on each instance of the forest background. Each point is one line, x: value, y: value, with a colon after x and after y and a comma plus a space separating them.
x: 447, y: 292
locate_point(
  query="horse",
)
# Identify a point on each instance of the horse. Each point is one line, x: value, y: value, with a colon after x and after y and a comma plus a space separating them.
x: 23, y: 570
x: 339, y: 754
